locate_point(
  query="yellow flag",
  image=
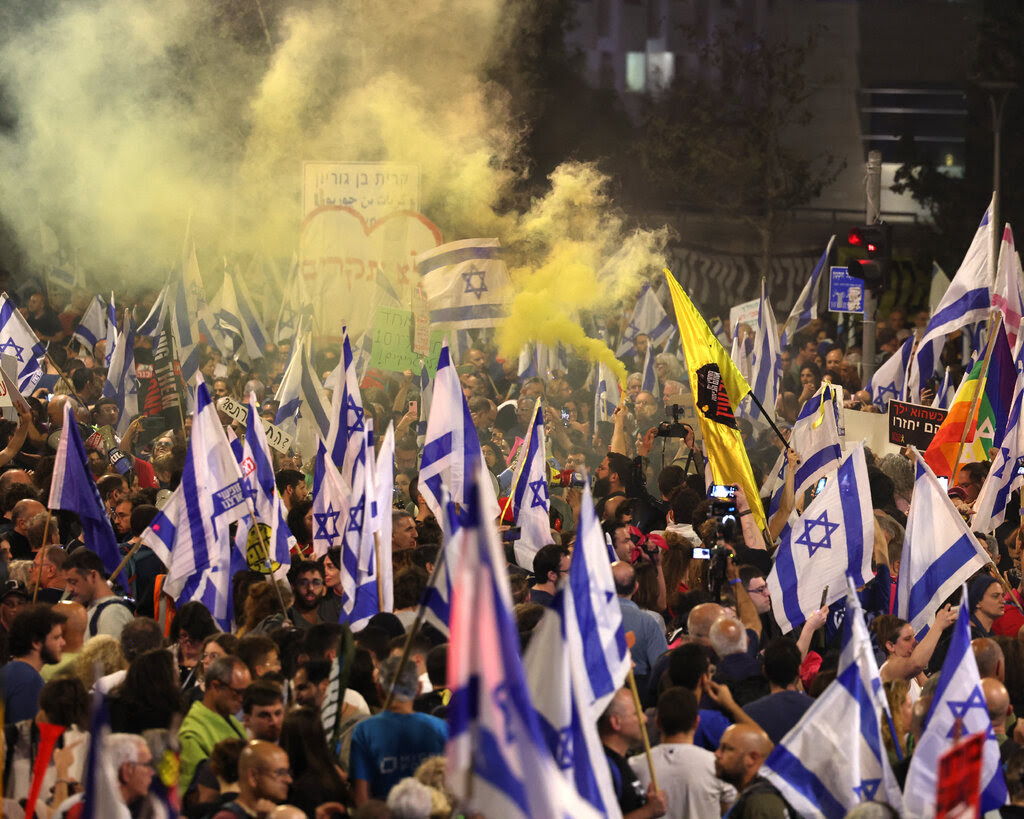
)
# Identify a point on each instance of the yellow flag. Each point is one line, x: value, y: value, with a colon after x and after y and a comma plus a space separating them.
x: 717, y: 388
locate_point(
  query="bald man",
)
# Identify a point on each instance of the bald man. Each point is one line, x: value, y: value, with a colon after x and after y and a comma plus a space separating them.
x: 263, y: 780
x: 649, y: 632
x: 989, y: 657
x: 619, y: 729
x: 700, y: 620
x: 741, y: 751
x: 17, y: 537
x: 74, y: 635
x: 997, y: 698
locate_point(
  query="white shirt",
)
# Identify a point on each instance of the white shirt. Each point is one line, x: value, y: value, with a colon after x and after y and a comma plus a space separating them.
x: 687, y: 775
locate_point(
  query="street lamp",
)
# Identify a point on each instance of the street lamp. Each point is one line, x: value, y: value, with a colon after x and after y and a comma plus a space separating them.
x: 998, y: 92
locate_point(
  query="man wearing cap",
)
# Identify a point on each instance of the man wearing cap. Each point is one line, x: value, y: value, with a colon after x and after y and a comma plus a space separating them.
x: 13, y: 595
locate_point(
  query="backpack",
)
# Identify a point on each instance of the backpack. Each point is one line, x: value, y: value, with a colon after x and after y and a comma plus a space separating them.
x: 94, y: 623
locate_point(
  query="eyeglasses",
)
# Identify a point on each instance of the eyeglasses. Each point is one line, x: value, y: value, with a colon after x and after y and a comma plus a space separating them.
x: 316, y: 583
x: 238, y: 692
x: 758, y: 590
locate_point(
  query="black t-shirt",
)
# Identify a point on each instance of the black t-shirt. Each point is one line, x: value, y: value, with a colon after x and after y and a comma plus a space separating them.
x: 628, y: 789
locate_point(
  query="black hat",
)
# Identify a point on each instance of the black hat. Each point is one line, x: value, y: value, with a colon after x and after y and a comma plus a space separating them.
x: 13, y: 587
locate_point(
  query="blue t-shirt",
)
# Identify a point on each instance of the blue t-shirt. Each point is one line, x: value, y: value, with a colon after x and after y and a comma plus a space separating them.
x: 21, y: 685
x: 710, y: 729
x: 389, y: 747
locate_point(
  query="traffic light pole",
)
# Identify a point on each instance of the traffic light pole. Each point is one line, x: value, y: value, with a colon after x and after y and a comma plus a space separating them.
x: 873, y: 196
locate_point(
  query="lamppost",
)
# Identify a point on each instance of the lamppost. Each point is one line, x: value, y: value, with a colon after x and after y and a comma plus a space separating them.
x: 998, y: 91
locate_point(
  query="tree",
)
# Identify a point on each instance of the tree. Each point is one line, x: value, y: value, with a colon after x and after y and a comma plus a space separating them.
x: 724, y: 139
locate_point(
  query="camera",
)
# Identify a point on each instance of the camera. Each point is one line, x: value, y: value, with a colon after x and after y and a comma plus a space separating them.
x: 568, y: 478
x: 674, y: 428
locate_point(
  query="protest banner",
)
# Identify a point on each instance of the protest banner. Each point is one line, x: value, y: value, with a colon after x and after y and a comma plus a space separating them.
x: 913, y: 424
x: 276, y: 437
x: 392, y: 342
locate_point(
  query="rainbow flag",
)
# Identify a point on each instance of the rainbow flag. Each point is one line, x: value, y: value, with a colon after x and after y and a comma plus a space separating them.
x: 994, y: 376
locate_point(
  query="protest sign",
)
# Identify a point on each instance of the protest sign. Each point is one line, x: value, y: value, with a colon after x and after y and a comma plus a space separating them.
x: 913, y: 424
x: 392, y: 342
x: 745, y: 313
x: 959, y: 788
x: 276, y: 437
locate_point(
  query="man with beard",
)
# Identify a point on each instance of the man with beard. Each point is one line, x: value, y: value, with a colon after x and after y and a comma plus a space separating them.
x: 741, y: 751
x: 36, y: 639
x: 613, y: 479
x: 307, y: 580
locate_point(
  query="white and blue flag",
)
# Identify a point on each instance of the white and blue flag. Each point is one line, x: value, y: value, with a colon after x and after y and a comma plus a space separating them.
x: 940, y: 552
x: 346, y: 442
x: 258, y: 478
x: 359, y: 599
x: 498, y: 763
x: 805, y: 310
x: 190, y: 534
x: 888, y: 382
x: 466, y: 283
x: 385, y: 488
x: 1005, y: 474
x: 650, y: 378
x: 967, y: 300
x: 944, y: 394
x: 18, y: 339
x: 437, y: 596
x: 557, y: 673
x: 93, y: 325
x: 121, y: 383
x: 649, y: 318
x: 606, y: 656
x: 531, y: 503
x: 331, y: 502
x: 766, y: 361
x: 73, y: 489
x: 451, y: 449
x: 153, y: 324
x: 302, y: 402
x: 816, y: 438
x: 957, y: 696
x: 833, y: 758
x: 832, y: 539
x: 111, y: 330
x: 606, y: 393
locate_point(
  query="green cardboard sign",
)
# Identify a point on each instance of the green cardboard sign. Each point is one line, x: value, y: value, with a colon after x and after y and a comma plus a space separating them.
x: 392, y: 342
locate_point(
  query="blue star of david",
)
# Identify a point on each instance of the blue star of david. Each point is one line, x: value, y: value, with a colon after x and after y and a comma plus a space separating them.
x: 826, y: 540
x: 355, y: 515
x: 539, y: 488
x: 352, y: 408
x: 563, y: 749
x: 481, y: 286
x: 503, y: 699
x: 11, y: 344
x: 323, y: 520
x: 960, y: 708
x: 867, y: 789
x: 890, y: 391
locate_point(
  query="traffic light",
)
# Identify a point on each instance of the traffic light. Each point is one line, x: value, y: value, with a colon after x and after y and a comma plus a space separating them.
x: 873, y: 246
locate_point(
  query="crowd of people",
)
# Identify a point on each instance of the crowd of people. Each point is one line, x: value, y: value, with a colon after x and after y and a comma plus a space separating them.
x: 718, y: 681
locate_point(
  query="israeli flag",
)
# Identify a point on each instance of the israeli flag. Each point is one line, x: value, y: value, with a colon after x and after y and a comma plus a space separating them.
x: 766, y: 362
x: 805, y: 310
x: 498, y: 762
x: 831, y: 539
x: 385, y: 488
x: 111, y: 331
x: 153, y: 324
x: 650, y: 379
x: 530, y: 500
x: 607, y: 393
x: 833, y: 758
x: 557, y: 674
x: 452, y: 447
x: 121, y: 383
x: 606, y: 656
x: 816, y: 437
x: 73, y: 489
x: 18, y: 339
x: 1005, y: 474
x: 93, y: 326
x: 888, y: 381
x: 258, y: 478
x: 302, y: 402
x: 359, y: 599
x: 967, y: 300
x: 957, y: 696
x: 190, y: 534
x: 346, y: 438
x: 331, y: 502
x: 939, y: 552
x: 466, y: 283
x: 437, y: 597
x: 649, y: 318
x: 944, y: 394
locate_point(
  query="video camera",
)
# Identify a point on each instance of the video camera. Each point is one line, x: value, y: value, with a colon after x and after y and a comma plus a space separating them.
x: 674, y: 428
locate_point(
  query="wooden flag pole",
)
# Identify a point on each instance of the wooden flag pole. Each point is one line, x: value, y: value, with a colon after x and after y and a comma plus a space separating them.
x: 643, y: 726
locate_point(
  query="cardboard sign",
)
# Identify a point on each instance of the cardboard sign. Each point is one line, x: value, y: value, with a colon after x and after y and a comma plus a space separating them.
x: 913, y: 424
x: 845, y: 293
x: 275, y: 436
x: 745, y: 313
x: 958, y: 793
x: 392, y: 342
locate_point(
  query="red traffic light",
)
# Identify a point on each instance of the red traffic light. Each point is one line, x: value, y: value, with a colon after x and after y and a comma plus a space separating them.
x: 857, y: 239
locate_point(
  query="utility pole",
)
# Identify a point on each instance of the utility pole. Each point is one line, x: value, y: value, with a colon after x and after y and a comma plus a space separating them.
x: 873, y: 210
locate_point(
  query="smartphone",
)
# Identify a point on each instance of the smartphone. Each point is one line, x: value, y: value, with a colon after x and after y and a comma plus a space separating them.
x: 1020, y: 467
x: 414, y: 407
x: 701, y: 554
x: 944, y: 482
x: 722, y: 492
x: 820, y: 485
x: 565, y: 418
x: 824, y: 596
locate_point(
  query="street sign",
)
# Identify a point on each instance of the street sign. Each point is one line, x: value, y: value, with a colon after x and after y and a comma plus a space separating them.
x: 845, y: 293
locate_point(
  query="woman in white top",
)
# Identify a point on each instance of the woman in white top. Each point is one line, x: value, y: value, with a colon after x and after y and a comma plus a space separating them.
x: 906, y: 658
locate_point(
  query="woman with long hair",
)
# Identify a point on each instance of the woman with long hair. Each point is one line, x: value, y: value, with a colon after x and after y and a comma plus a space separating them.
x: 149, y: 697
x: 901, y: 705
x: 906, y: 658
x: 192, y: 624
x: 315, y: 778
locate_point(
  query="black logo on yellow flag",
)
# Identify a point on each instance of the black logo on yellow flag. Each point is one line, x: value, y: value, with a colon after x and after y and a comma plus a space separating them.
x: 712, y: 399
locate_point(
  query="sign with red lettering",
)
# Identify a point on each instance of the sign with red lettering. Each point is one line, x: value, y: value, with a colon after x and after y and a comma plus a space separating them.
x: 959, y: 789
x: 913, y: 424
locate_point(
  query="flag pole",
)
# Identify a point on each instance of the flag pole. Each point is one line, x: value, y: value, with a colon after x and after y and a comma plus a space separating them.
x: 65, y: 379
x: 421, y: 614
x: 124, y: 561
x: 643, y: 726
x: 971, y: 418
x: 376, y: 561
x: 768, y: 418
x: 266, y: 558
